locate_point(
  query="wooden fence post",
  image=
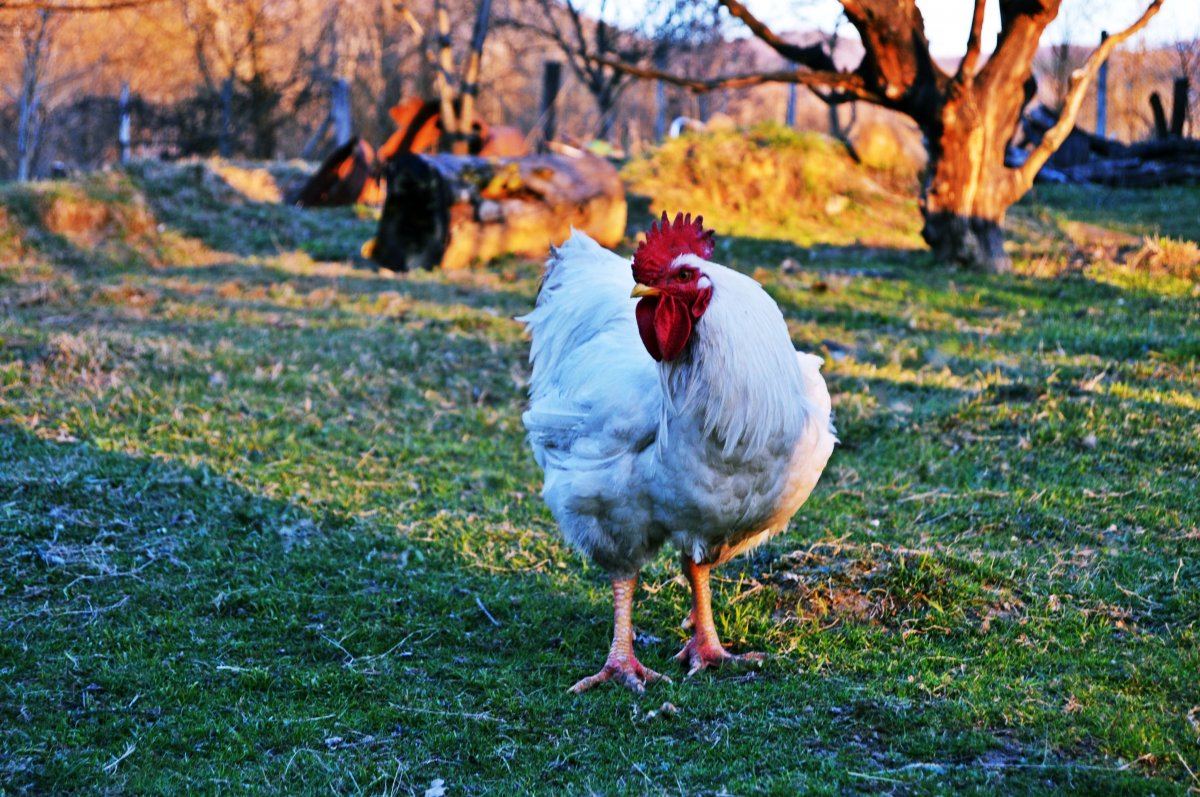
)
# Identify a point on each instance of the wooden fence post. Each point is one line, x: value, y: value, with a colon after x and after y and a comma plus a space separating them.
x: 1102, y: 94
x: 339, y: 112
x: 224, y: 137
x: 1179, y: 104
x: 660, y: 99
x: 123, y: 124
x: 551, y: 80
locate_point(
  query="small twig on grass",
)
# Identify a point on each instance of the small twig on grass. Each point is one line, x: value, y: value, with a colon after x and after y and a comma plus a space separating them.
x: 133, y: 572
x: 484, y: 717
x: 1179, y: 755
x: 747, y: 593
x: 938, y: 493
x: 349, y: 656
x: 111, y: 766
x: 488, y: 614
x: 352, y: 660
x: 1139, y: 596
x: 232, y: 668
x: 309, y: 719
x: 93, y: 611
x: 868, y: 776
x: 315, y: 754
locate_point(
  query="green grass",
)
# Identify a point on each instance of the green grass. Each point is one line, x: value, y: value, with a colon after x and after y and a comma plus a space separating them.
x: 1171, y: 211
x: 268, y: 526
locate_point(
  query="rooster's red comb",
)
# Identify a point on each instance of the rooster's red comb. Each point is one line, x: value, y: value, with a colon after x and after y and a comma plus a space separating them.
x: 668, y: 240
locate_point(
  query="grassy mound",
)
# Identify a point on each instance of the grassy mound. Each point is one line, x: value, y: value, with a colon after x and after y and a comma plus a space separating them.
x: 101, y: 220
x: 154, y: 213
x: 199, y: 198
x: 772, y: 182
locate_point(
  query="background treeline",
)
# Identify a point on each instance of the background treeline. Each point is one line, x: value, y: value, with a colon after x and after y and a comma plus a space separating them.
x: 254, y: 78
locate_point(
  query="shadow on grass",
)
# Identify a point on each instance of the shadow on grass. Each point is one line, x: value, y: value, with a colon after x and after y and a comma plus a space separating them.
x: 354, y: 283
x: 200, y: 616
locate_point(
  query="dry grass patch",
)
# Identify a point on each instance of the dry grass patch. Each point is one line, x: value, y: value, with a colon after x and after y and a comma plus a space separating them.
x: 801, y: 187
x: 894, y: 587
x: 1161, y: 256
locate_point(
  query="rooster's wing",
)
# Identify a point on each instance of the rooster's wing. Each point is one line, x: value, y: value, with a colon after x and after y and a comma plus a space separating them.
x: 595, y: 405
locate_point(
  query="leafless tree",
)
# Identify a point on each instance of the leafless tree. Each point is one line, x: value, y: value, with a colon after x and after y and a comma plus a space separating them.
x: 248, y: 45
x: 967, y: 117
x: 43, y: 76
x: 35, y: 43
x: 595, y: 47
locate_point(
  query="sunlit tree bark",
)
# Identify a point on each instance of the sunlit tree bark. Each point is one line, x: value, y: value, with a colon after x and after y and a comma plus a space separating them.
x: 968, y: 117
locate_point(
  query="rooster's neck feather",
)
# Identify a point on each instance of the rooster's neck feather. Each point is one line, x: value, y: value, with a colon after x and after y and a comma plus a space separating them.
x: 739, y: 379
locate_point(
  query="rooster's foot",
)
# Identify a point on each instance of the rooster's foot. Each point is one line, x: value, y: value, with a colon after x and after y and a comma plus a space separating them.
x: 699, y: 656
x: 628, y: 672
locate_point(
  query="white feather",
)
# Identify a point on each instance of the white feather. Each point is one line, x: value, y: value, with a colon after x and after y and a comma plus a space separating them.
x: 715, y: 450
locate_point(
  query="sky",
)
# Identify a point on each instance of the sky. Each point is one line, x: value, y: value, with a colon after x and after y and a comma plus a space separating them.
x: 948, y: 21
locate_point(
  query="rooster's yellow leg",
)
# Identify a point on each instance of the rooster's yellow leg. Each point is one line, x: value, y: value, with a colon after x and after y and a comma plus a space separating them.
x: 704, y: 649
x: 622, y: 666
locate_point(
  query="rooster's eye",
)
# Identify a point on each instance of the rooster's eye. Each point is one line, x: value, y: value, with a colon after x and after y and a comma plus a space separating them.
x: 684, y: 275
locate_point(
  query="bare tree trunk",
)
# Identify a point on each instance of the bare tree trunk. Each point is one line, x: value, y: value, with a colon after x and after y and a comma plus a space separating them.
x: 968, y: 117
x: 1179, y: 105
x: 25, y: 135
x: 36, y: 45
x: 470, y: 81
x: 262, y: 107
x: 445, y: 75
x: 1160, y: 115
x: 551, y: 81
x: 1102, y: 95
x: 968, y: 187
x: 660, y: 105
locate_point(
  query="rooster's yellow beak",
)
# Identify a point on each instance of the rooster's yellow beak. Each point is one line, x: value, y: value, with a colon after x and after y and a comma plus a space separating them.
x: 640, y: 290
x: 368, y: 249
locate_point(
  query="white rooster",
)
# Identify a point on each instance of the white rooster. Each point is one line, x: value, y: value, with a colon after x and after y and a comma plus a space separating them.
x: 687, y: 417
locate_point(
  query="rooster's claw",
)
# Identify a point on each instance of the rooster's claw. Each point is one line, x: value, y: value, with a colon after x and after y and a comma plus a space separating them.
x: 627, y: 672
x: 701, y: 657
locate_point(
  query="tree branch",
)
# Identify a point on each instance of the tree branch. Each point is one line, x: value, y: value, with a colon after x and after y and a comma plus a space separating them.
x: 576, y: 59
x: 1080, y: 79
x: 966, y: 69
x: 45, y: 5
x: 1022, y: 23
x: 897, y: 58
x: 813, y: 56
x: 847, y: 83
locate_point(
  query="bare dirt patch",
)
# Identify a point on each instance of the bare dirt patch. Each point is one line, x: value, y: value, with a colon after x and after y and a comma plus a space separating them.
x: 830, y: 583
